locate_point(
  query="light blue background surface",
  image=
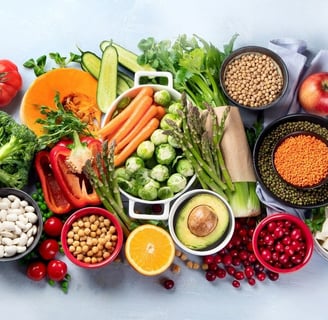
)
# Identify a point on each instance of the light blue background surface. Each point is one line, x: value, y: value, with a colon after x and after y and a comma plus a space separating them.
x: 30, y: 29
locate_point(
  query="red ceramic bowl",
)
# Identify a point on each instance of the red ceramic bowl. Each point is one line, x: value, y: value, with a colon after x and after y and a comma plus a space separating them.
x: 87, y: 242
x: 282, y: 243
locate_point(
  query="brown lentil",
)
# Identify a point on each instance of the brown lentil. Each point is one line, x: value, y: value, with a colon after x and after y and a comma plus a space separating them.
x: 281, y: 190
x: 92, y: 246
x: 253, y: 80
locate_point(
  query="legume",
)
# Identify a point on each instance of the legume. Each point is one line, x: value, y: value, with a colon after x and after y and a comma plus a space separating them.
x: 302, y: 160
x: 279, y: 188
x: 253, y: 80
x: 92, y: 239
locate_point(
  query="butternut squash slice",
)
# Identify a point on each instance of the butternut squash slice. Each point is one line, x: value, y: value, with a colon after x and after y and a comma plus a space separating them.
x: 77, y: 90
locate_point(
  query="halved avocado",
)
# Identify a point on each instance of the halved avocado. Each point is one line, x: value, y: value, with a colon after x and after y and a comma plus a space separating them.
x: 202, y: 221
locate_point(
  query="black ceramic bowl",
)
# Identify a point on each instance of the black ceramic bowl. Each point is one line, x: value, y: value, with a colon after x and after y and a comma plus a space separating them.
x: 277, y: 64
x: 265, y: 172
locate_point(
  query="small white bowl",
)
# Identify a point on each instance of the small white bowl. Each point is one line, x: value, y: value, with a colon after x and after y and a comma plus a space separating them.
x: 175, y: 211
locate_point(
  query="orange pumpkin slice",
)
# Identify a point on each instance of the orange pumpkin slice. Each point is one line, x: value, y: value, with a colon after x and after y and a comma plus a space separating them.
x: 77, y: 90
x: 149, y: 249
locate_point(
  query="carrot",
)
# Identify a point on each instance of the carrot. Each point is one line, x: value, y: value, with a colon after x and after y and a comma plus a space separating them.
x: 160, y: 112
x: 117, y: 121
x: 134, y: 118
x: 131, y: 147
x: 150, y: 113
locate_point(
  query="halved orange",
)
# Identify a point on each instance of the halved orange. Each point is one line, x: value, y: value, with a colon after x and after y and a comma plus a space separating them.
x: 149, y: 249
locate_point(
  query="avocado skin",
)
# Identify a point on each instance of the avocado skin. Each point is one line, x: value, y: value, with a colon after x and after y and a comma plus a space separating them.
x: 189, y: 239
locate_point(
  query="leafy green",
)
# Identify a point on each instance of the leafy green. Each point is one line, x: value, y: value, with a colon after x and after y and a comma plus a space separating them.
x: 58, y: 124
x: 18, y: 145
x: 194, y: 63
x: 316, y: 220
x: 39, y: 65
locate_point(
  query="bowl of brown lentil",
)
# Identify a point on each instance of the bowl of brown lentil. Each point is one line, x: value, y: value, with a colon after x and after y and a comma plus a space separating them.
x: 266, y: 174
x: 301, y: 159
x: 92, y: 237
x: 254, y: 78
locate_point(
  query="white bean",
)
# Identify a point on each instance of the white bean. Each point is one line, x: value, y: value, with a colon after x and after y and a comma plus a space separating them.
x: 12, y: 217
x: 8, y: 225
x: 12, y: 197
x: 2, y: 251
x: 18, y: 211
x: 7, y: 241
x: 31, y: 216
x: 29, y: 209
x: 34, y: 230
x: 7, y: 234
x: 15, y: 204
x: 29, y: 241
x: 3, y: 214
x: 24, y: 203
x: 22, y: 239
x: 21, y: 249
x: 28, y: 226
x: 23, y: 219
x: 18, y: 230
x: 4, y: 205
x: 10, y: 251
x: 20, y: 224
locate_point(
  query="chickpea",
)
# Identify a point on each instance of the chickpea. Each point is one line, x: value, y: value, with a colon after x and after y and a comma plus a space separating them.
x: 92, y: 239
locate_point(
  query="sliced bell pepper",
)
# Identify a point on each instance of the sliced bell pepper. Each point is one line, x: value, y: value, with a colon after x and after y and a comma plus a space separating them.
x: 53, y: 195
x: 74, y: 185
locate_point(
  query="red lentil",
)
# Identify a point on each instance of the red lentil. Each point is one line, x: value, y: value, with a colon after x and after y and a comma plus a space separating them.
x: 302, y: 160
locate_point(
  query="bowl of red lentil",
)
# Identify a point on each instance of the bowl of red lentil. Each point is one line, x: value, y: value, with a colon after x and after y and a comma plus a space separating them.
x: 266, y: 173
x: 92, y: 237
x: 301, y: 159
x: 254, y: 78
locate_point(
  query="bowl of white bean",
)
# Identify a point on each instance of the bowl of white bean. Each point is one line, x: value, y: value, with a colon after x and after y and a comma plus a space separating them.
x: 92, y: 237
x: 20, y: 224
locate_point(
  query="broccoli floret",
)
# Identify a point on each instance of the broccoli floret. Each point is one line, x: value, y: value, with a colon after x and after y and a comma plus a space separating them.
x: 18, y: 145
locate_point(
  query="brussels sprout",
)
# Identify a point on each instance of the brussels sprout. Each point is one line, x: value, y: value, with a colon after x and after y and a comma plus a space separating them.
x: 158, y: 137
x: 165, y: 153
x: 173, y: 142
x: 164, y: 192
x: 185, y: 167
x: 160, y: 172
x: 121, y: 172
x: 133, y: 163
x: 177, y: 182
x: 153, y: 183
x: 162, y: 97
x: 147, y: 192
x: 145, y: 149
x: 142, y: 176
x: 175, y: 107
x: 173, y: 117
x: 129, y: 186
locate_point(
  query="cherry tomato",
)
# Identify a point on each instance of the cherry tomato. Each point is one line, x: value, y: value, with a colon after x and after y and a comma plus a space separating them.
x: 53, y: 226
x: 10, y: 82
x: 36, y: 270
x: 56, y: 270
x: 48, y: 249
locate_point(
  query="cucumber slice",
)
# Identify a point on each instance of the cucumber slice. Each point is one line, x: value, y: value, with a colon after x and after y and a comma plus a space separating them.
x: 107, y: 81
x: 126, y: 58
x: 91, y: 63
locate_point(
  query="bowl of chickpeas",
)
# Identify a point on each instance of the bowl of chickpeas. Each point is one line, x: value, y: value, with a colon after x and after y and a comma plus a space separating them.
x: 254, y: 78
x: 92, y: 237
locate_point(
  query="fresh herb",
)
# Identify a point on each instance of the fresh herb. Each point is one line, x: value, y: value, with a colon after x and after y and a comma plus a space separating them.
x: 254, y: 131
x: 194, y: 63
x: 39, y: 65
x: 317, y: 219
x: 59, y: 123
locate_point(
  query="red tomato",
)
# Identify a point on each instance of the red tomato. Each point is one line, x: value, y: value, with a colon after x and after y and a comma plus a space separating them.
x: 313, y: 94
x: 36, y: 270
x: 56, y: 270
x: 48, y: 249
x: 53, y: 226
x: 10, y: 82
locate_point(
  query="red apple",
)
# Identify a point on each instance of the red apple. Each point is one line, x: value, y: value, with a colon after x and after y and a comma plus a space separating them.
x: 313, y: 94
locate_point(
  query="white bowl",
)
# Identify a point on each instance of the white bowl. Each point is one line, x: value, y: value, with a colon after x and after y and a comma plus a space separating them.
x: 175, y: 211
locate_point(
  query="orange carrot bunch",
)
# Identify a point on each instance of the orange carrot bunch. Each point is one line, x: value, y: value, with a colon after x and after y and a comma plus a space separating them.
x: 134, y: 124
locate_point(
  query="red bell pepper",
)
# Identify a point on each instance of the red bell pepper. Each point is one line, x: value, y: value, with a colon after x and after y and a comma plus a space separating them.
x: 53, y: 195
x: 67, y: 159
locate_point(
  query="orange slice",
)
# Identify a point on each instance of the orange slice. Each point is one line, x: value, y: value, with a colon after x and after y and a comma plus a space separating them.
x: 149, y: 249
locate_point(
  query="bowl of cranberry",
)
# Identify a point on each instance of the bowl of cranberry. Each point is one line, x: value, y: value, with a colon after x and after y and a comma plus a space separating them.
x: 282, y: 243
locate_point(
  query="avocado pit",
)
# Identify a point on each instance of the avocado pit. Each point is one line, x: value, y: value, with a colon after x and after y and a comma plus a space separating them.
x: 202, y: 220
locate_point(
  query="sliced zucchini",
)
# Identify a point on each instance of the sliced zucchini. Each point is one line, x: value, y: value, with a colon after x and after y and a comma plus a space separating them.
x: 107, y: 81
x: 126, y: 58
x: 122, y: 85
